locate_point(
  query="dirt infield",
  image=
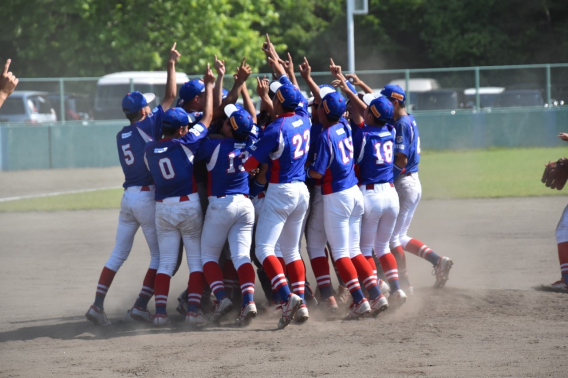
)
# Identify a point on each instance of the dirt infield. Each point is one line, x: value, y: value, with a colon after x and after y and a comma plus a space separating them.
x: 488, y: 321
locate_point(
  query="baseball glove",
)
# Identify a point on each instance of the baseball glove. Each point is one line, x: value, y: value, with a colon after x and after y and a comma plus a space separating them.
x: 556, y: 174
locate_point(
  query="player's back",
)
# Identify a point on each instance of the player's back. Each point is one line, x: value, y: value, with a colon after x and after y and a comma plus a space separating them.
x: 374, y: 151
x: 408, y: 141
x: 225, y: 159
x: 336, y: 147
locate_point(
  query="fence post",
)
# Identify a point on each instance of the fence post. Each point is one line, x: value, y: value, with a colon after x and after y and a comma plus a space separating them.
x: 131, y: 85
x: 61, y: 100
x: 477, y: 97
x: 548, y: 94
x: 407, y: 85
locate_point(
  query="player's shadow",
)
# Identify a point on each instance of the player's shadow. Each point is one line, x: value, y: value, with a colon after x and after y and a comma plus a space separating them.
x: 78, y: 328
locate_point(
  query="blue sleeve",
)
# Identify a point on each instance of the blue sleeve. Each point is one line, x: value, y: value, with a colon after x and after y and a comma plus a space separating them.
x: 358, y: 136
x: 315, y: 131
x: 254, y: 133
x: 206, y: 148
x: 152, y: 124
x: 322, y: 156
x: 265, y: 145
x: 194, y: 136
x: 402, y: 142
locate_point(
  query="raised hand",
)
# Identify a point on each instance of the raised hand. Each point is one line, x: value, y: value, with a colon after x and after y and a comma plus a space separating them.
x: 243, y: 71
x: 563, y: 136
x: 209, y: 78
x: 354, y: 79
x: 8, y: 81
x: 174, y: 54
x: 305, y: 69
x: 219, y: 66
x: 288, y: 65
x: 262, y: 86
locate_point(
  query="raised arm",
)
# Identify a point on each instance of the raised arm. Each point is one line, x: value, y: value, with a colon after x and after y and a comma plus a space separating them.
x: 273, y: 58
x: 305, y: 71
x: 247, y: 102
x: 218, y: 90
x: 357, y: 105
x: 262, y: 88
x: 289, y: 69
x: 359, y: 83
x: 171, y: 85
x: 243, y: 73
x: 209, y: 80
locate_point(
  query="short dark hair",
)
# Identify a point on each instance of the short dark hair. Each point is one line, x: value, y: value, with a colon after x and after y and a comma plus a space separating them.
x: 400, y: 103
x: 378, y: 122
x: 239, y: 137
x: 169, y: 130
x: 287, y: 109
x: 332, y: 119
x: 132, y: 116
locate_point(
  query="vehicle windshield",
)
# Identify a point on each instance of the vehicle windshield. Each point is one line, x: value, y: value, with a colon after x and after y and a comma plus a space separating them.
x: 39, y: 104
x: 532, y: 98
x: 436, y: 101
x: 13, y: 105
x: 110, y: 96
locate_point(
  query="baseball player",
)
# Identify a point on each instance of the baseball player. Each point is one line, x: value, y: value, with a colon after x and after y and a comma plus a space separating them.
x: 405, y: 169
x: 178, y: 210
x: 343, y: 205
x: 555, y: 177
x: 284, y: 144
x: 374, y: 152
x: 230, y: 213
x: 137, y: 207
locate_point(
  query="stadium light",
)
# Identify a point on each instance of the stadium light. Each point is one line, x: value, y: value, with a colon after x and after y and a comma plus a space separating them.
x: 353, y: 7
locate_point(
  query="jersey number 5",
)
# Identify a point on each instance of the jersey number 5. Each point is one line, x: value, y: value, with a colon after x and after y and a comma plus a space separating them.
x: 297, y: 141
x: 128, y: 156
x: 385, y: 154
x: 166, y: 168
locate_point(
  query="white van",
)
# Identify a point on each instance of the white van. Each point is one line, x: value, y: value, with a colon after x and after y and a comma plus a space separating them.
x: 417, y: 85
x: 487, y: 96
x: 112, y: 88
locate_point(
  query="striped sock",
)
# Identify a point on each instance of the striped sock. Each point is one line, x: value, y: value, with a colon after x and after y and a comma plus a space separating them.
x: 348, y: 274
x: 105, y: 280
x: 297, y: 273
x: 320, y: 266
x: 162, y: 289
x: 388, y: 262
x: 214, y: 276
x: 194, y: 291
x: 246, y: 280
x: 274, y: 270
x: 366, y: 276
x: 416, y: 247
x: 563, y: 257
x: 230, y: 278
x: 147, y: 289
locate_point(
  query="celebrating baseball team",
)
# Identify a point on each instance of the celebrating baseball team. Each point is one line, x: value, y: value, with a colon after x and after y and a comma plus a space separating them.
x: 236, y: 188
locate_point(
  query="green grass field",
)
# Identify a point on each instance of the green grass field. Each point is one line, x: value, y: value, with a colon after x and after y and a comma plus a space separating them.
x: 465, y: 174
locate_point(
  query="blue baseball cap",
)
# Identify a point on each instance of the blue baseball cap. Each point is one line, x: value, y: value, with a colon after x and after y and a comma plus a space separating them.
x: 324, y: 90
x: 334, y: 105
x: 239, y: 119
x: 288, y: 95
x: 134, y: 101
x: 191, y: 89
x: 381, y: 108
x: 394, y: 92
x: 175, y: 118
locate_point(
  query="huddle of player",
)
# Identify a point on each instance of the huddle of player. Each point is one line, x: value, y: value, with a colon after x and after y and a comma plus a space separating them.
x: 358, y: 157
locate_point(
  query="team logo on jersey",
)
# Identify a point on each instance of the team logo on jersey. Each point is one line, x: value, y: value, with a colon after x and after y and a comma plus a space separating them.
x: 160, y: 150
x: 239, y: 146
x: 297, y: 123
x: 280, y: 97
x: 126, y: 135
x: 385, y: 134
x: 340, y: 131
x: 234, y: 123
x: 325, y: 107
x: 399, y: 139
x: 397, y: 96
x: 375, y: 111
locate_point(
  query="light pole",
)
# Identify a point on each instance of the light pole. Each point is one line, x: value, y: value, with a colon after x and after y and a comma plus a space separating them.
x: 353, y: 7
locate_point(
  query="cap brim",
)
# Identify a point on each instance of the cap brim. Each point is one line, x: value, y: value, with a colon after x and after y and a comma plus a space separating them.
x: 149, y: 97
x: 325, y: 91
x: 275, y: 85
x: 230, y: 109
x: 368, y: 98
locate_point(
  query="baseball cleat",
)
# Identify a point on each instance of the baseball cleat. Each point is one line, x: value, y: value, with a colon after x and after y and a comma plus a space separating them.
x: 343, y: 294
x: 221, y: 309
x: 378, y: 305
x: 161, y: 319
x: 357, y: 310
x: 196, y: 318
x: 302, y: 315
x: 397, y: 299
x: 442, y: 271
x: 97, y: 316
x: 405, y: 284
x: 289, y: 309
x: 384, y: 288
x: 559, y: 286
x: 182, y: 305
x: 330, y: 304
x: 248, y: 313
x: 138, y: 314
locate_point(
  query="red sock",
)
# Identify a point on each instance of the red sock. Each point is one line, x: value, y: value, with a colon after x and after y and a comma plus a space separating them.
x: 230, y: 277
x: 274, y: 271
x: 400, y: 258
x: 283, y: 264
x: 195, y: 288
x: 214, y: 277
x: 416, y: 247
x: 320, y: 266
x: 364, y: 271
x: 246, y: 279
x: 563, y: 257
x: 148, y: 284
x: 388, y: 262
x: 162, y: 289
x: 371, y: 262
x: 105, y: 280
x: 348, y: 273
x: 297, y: 272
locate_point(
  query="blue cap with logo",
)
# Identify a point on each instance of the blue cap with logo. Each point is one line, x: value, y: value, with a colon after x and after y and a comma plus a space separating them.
x: 239, y: 119
x: 333, y: 105
x: 175, y: 118
x: 381, y: 108
x: 394, y: 92
x: 191, y: 89
x: 134, y: 101
x: 288, y: 95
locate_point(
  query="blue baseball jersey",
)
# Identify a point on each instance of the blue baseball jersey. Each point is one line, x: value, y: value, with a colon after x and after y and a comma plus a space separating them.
x: 334, y: 159
x: 408, y: 141
x: 170, y: 162
x: 131, y: 142
x: 374, y: 153
x: 225, y: 159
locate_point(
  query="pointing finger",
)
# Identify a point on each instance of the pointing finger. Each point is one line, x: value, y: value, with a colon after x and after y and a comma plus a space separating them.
x: 289, y: 57
x: 331, y: 60
x: 243, y: 61
x: 216, y: 57
x: 267, y: 39
x: 174, y: 46
x: 7, y: 66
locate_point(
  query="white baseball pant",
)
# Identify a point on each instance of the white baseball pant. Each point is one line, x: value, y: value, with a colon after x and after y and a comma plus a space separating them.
x: 381, y: 211
x: 137, y: 209
x: 229, y: 217
x: 342, y: 221
x: 280, y: 220
x: 175, y: 219
x: 316, y: 238
x: 562, y: 228
x: 409, y: 193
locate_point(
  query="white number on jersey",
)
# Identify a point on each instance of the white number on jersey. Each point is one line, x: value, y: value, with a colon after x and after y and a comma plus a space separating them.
x: 128, y: 156
x: 346, y: 144
x: 385, y: 154
x: 297, y: 141
x: 243, y: 156
x: 166, y: 168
